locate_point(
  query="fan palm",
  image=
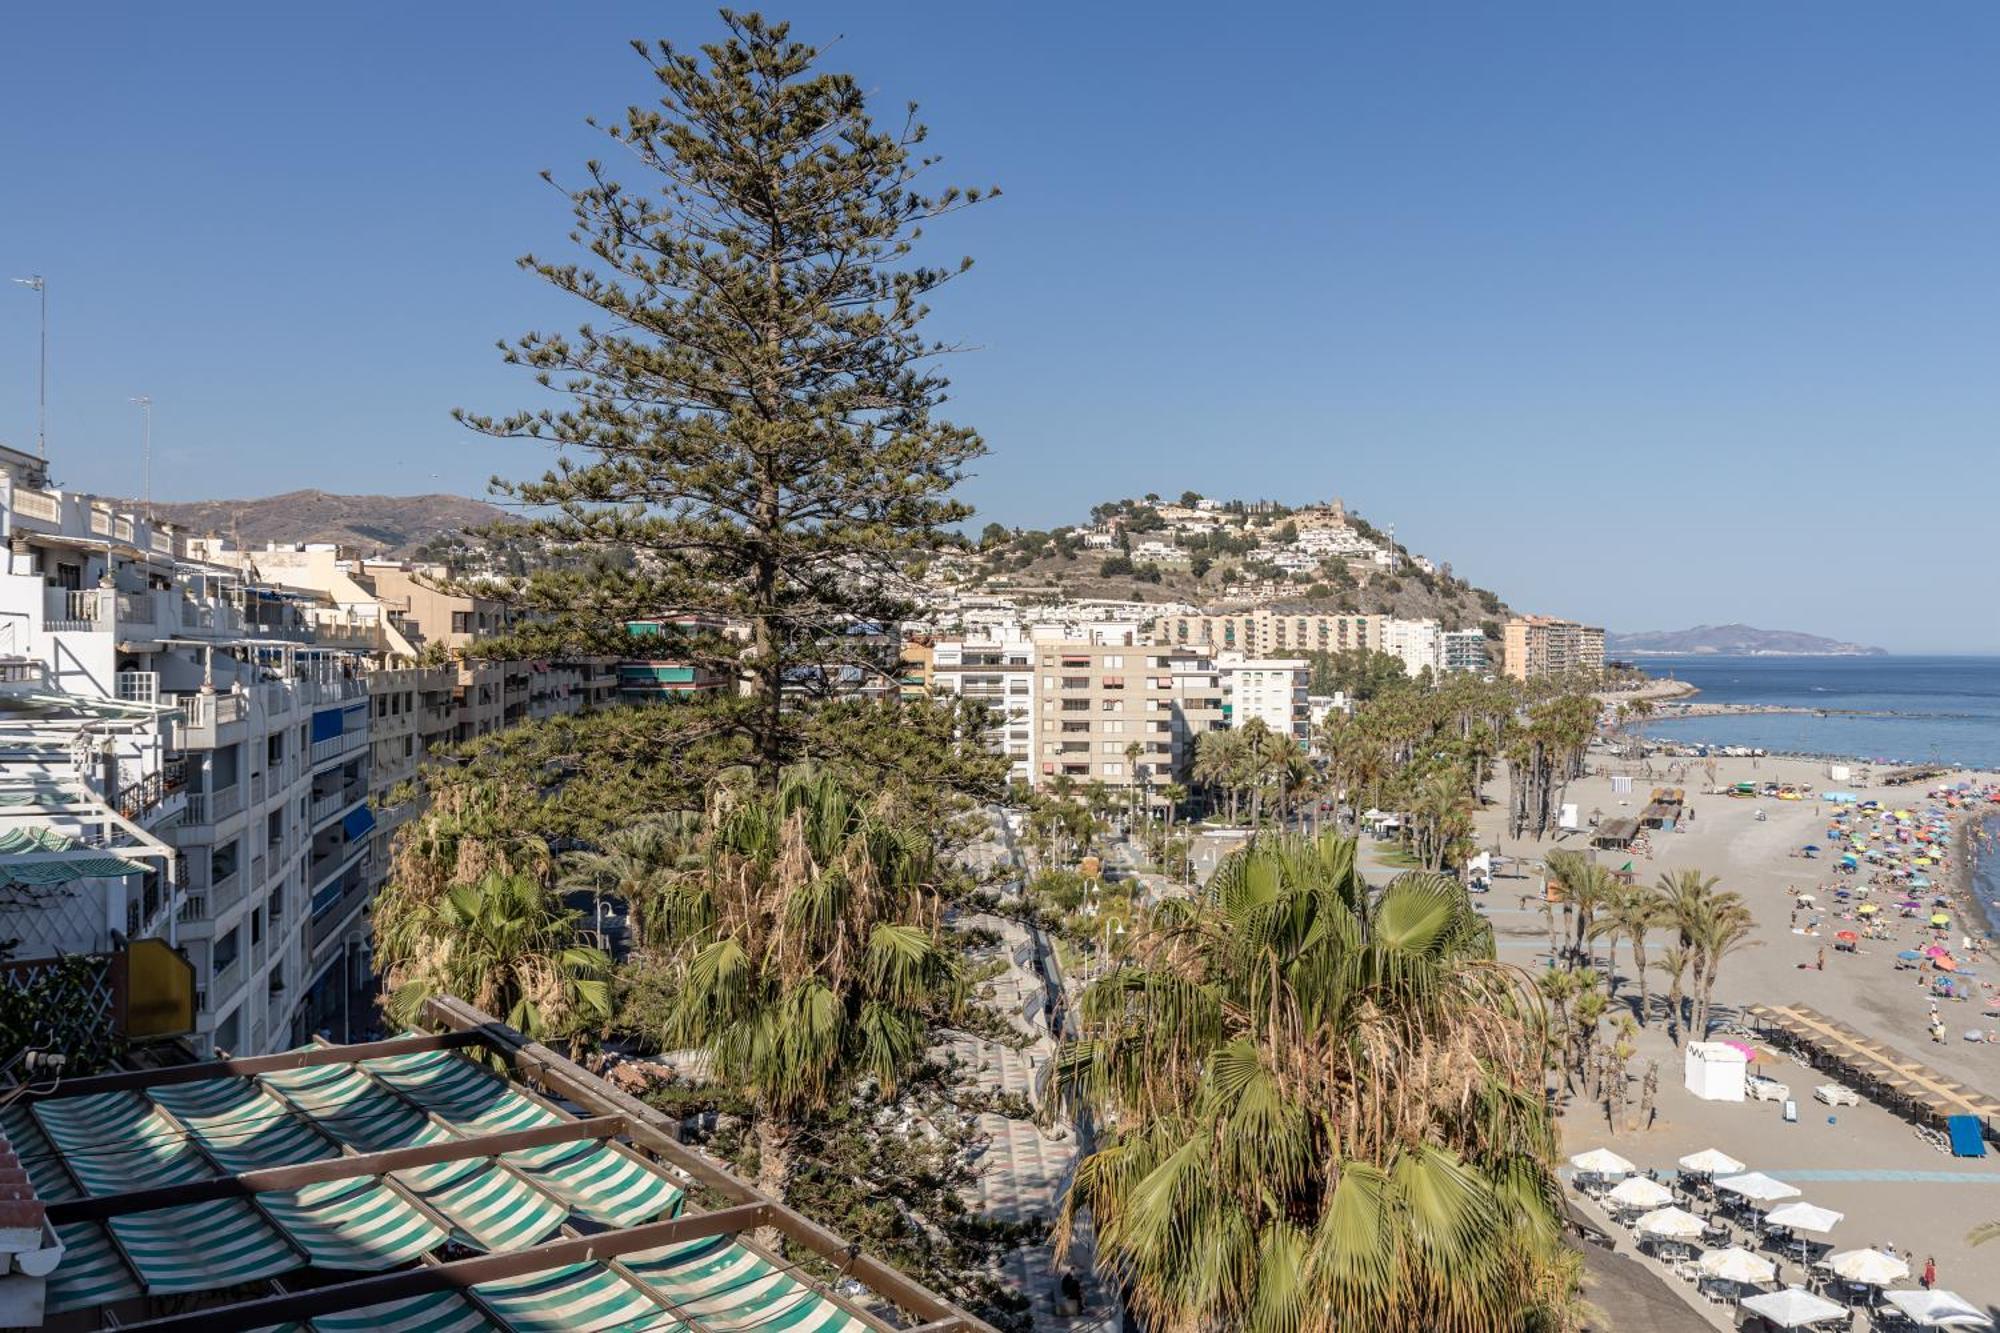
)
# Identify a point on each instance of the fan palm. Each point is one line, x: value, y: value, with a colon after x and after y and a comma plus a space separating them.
x: 1325, y: 1109
x: 807, y: 953
x: 504, y: 943
x: 634, y: 863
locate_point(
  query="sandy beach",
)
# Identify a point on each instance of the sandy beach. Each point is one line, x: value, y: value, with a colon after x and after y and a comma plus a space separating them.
x: 1862, y: 1160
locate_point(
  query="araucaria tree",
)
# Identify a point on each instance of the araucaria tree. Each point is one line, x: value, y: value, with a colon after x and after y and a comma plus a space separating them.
x: 749, y: 437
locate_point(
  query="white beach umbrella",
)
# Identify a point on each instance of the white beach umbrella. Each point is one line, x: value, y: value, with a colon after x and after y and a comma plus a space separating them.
x: 1672, y: 1224
x: 1870, y: 1267
x: 1737, y: 1264
x: 1639, y: 1192
x: 1804, y: 1217
x: 1758, y: 1187
x: 1602, y: 1162
x: 1711, y: 1162
x: 1794, y: 1307
x: 1938, y: 1309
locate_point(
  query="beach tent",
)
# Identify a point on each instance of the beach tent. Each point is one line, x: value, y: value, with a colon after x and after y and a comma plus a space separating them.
x: 1737, y: 1264
x: 1804, y: 1217
x: 1601, y: 1162
x: 1966, y: 1139
x: 1671, y: 1224
x: 1938, y: 1309
x: 1794, y: 1307
x: 1758, y: 1187
x: 1714, y: 1071
x: 1640, y: 1192
x: 1871, y: 1268
x: 1710, y: 1162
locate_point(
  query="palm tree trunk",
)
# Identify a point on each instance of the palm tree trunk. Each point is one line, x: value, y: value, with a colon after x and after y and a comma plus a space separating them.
x: 1639, y: 963
x: 776, y: 1145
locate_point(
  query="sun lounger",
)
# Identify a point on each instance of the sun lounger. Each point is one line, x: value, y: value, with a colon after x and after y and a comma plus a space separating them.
x: 1833, y: 1094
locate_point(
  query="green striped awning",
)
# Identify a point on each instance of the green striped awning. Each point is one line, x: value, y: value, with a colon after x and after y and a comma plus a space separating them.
x: 439, y: 1312
x: 603, y: 1184
x: 494, y: 1209
x: 727, y: 1286
x: 52, y: 1183
x: 87, y: 862
x: 91, y: 1273
x: 116, y: 1142
x: 582, y: 1296
x: 241, y: 1127
x: 203, y: 1246
x: 362, y: 1114
x: 352, y: 1224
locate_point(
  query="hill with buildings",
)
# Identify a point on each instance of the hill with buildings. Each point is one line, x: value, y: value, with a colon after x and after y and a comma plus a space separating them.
x: 1731, y: 641
x: 376, y: 524
x: 1225, y: 554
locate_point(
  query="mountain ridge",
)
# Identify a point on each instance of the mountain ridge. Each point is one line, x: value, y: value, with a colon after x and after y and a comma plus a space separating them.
x: 1733, y: 641
x: 392, y: 525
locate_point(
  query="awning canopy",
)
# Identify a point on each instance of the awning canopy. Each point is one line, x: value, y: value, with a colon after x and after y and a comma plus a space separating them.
x: 80, y: 860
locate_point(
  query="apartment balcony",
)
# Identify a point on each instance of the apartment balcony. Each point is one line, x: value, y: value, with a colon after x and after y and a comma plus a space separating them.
x: 194, y: 907
x: 325, y: 808
x: 333, y: 747
x: 222, y: 987
x: 226, y: 892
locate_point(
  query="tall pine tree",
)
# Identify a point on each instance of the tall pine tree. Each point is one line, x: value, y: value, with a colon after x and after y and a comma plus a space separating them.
x: 749, y: 439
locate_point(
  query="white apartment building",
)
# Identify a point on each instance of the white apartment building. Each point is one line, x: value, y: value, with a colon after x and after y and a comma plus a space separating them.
x: 1272, y: 690
x: 998, y: 670
x: 188, y: 753
x: 1419, y: 643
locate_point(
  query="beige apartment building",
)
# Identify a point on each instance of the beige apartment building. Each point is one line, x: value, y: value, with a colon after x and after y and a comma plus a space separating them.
x: 1533, y: 646
x: 1265, y: 632
x: 1123, y: 714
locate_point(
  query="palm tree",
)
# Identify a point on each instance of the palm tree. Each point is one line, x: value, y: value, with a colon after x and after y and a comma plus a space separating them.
x: 633, y: 863
x: 1675, y: 961
x: 807, y: 954
x: 1588, y: 888
x: 504, y: 943
x: 1632, y: 913
x: 1323, y: 1109
x: 1711, y: 924
x: 1217, y: 758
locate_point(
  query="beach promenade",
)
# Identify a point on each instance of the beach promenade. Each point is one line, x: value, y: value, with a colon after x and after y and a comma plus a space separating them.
x: 1863, y: 1161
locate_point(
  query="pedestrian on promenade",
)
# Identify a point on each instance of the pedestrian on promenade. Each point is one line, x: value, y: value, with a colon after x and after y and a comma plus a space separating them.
x: 1930, y: 1273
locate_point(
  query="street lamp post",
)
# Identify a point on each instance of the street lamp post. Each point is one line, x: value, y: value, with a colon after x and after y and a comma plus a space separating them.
x: 35, y: 283
x: 145, y: 402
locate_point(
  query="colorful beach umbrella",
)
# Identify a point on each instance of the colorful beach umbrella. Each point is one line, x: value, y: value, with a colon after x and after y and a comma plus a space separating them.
x: 1867, y: 909
x: 1847, y: 935
x: 1940, y: 919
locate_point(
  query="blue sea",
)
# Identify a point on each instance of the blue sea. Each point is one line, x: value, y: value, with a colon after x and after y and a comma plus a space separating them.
x: 1918, y: 709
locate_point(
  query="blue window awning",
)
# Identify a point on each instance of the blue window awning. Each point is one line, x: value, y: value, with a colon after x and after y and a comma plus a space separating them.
x: 358, y: 822
x: 326, y: 725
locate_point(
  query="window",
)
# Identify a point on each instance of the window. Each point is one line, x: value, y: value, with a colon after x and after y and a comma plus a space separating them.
x: 461, y: 622
x: 1114, y: 662
x: 256, y: 926
x: 1114, y: 727
x: 1111, y: 747
x: 1114, y: 770
x: 1114, y: 706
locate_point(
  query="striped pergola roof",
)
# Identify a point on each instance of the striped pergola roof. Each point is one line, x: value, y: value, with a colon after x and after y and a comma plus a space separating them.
x: 399, y: 1185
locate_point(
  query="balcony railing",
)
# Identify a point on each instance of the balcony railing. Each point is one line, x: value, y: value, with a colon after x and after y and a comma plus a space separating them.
x: 37, y: 505
x: 226, y: 981
x: 194, y: 907
x: 225, y: 802
x: 226, y: 892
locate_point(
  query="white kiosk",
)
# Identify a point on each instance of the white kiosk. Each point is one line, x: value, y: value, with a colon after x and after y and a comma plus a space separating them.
x: 1715, y: 1071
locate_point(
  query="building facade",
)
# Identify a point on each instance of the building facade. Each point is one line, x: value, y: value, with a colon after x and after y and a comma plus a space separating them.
x: 1534, y: 646
x: 1271, y: 690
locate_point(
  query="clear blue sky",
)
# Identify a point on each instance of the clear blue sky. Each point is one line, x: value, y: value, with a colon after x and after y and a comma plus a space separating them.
x: 1650, y: 315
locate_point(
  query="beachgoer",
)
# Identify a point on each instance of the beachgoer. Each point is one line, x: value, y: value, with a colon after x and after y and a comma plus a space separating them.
x: 1822, y: 958
x: 1930, y: 1273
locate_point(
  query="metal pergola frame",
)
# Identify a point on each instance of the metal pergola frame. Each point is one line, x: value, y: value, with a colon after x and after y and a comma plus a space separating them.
x: 609, y: 1116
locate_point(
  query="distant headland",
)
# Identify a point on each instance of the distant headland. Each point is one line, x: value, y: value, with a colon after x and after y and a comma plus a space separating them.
x: 1731, y: 641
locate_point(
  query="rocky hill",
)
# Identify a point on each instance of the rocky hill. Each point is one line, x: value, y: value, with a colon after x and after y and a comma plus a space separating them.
x: 375, y: 524
x: 1226, y: 555
x: 1731, y: 641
